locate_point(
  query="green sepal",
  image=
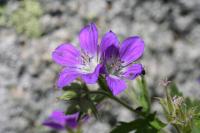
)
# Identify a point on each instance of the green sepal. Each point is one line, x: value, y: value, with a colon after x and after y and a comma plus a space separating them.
x: 68, y: 95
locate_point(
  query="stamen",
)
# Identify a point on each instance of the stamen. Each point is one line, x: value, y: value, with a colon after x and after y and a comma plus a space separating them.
x: 114, y: 66
x: 88, y: 63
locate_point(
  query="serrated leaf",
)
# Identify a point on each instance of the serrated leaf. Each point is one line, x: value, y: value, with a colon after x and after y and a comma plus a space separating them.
x: 150, y: 124
x: 68, y: 95
x: 126, y: 127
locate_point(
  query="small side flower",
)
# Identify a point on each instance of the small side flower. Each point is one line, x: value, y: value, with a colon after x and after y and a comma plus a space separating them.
x: 59, y: 121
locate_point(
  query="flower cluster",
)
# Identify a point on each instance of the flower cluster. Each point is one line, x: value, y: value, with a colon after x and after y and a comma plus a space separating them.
x: 110, y: 58
x: 113, y: 60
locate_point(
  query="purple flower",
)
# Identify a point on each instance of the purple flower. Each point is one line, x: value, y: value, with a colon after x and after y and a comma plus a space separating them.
x: 58, y: 120
x: 84, y: 63
x: 119, y: 62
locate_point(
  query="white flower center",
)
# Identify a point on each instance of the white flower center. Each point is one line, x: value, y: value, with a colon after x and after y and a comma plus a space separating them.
x: 88, y: 64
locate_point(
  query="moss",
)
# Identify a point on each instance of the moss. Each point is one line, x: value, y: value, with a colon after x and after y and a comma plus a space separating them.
x: 2, y: 16
x: 26, y: 18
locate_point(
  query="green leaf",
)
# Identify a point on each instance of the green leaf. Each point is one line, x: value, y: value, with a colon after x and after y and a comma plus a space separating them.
x: 96, y: 98
x: 125, y: 127
x: 68, y: 95
x: 195, y: 106
x: 196, y: 126
x: 72, y: 108
x: 150, y: 124
x: 173, y: 90
x: 158, y: 124
x: 192, y: 103
x: 73, y: 86
x: 88, y: 107
x: 143, y: 95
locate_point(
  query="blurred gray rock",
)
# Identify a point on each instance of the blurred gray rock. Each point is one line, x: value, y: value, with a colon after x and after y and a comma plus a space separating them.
x: 170, y: 29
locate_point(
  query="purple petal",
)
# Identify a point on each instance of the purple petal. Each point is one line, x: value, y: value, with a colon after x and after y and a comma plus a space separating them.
x: 131, y: 49
x: 91, y: 78
x: 56, y: 120
x: 131, y: 72
x: 102, y: 70
x: 66, y: 55
x: 66, y: 77
x: 88, y: 38
x: 109, y: 39
x: 111, y: 55
x: 71, y: 120
x: 116, y: 84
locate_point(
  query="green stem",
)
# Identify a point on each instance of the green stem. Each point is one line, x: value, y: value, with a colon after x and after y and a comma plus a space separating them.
x: 177, y: 129
x: 105, y: 91
x: 69, y: 130
x: 117, y: 100
x: 79, y: 130
x: 102, y: 83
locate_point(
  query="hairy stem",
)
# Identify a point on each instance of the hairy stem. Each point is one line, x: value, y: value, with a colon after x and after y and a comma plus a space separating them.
x: 105, y: 91
x: 117, y: 100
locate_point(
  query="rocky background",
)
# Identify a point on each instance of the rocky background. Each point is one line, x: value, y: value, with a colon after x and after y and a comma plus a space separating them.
x: 30, y: 30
